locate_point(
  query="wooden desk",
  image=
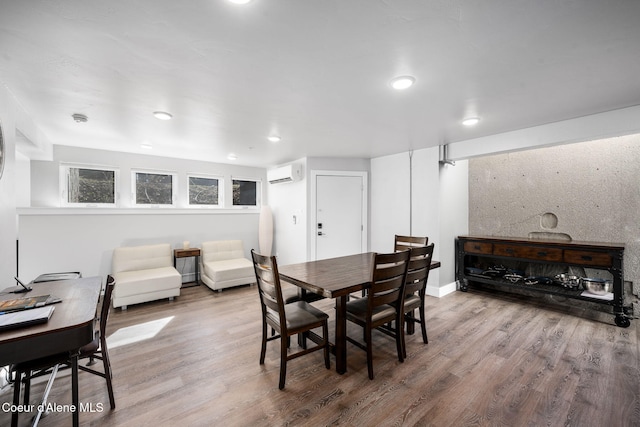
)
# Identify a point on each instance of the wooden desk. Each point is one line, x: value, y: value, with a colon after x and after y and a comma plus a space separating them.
x: 335, y: 278
x: 71, y: 326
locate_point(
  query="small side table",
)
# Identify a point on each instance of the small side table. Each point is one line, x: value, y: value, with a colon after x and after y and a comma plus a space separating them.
x: 187, y: 253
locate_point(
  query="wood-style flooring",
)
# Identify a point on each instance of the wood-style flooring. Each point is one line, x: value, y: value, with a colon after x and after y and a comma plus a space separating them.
x: 492, y: 360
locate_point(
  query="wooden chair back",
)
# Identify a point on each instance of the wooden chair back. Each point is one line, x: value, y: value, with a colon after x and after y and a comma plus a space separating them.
x: 418, y: 270
x: 407, y: 242
x: 268, y: 281
x: 388, y: 279
x: 106, y: 305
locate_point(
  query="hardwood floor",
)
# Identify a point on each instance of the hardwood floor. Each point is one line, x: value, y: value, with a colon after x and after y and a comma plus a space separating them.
x: 492, y: 360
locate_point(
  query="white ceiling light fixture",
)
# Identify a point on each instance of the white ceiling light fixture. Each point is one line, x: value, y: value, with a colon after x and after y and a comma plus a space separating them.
x: 232, y: 157
x: 240, y: 1
x: 471, y: 121
x: 274, y: 138
x: 162, y: 115
x: 146, y: 145
x: 402, y: 82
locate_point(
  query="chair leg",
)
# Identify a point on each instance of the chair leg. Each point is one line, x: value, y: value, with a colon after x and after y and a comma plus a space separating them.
x: 263, y: 350
x: 325, y: 334
x: 45, y: 396
x: 27, y: 387
x: 423, y: 325
x: 369, y: 352
x: 16, y: 398
x: 108, y: 376
x: 283, y: 361
x: 400, y: 347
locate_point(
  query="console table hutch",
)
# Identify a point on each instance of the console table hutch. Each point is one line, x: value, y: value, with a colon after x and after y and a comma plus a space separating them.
x: 476, y: 254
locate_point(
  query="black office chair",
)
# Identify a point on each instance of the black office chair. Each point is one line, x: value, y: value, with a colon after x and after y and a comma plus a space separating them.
x: 287, y: 319
x: 97, y: 349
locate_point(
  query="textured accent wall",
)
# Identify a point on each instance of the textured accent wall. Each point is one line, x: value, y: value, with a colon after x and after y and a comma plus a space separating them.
x: 587, y: 191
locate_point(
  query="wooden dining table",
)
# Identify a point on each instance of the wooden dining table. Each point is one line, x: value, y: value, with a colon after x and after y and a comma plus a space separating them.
x: 70, y: 327
x: 335, y: 278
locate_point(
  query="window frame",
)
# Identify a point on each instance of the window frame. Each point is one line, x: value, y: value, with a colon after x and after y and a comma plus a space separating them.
x: 258, y: 192
x: 174, y: 188
x: 221, y: 192
x: 65, y: 171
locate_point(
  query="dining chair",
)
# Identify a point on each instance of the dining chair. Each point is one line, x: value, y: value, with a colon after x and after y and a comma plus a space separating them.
x: 407, y: 242
x: 415, y: 288
x: 298, y: 317
x: 300, y: 294
x: 96, y: 349
x: 383, y: 302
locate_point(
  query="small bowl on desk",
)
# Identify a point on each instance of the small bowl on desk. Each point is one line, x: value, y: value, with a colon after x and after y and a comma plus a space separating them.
x: 596, y: 286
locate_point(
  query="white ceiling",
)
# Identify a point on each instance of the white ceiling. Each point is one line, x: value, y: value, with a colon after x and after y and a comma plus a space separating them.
x: 315, y: 72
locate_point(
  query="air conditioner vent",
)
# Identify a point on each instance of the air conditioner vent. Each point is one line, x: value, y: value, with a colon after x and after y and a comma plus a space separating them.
x: 287, y: 173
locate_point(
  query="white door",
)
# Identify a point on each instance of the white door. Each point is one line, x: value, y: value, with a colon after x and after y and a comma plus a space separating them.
x: 339, y: 215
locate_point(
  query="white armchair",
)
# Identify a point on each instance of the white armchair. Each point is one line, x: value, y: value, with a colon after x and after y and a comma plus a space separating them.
x: 144, y: 273
x: 223, y: 265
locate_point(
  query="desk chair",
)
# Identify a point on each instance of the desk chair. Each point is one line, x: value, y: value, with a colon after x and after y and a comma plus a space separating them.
x: 287, y: 320
x: 97, y: 349
x: 383, y: 302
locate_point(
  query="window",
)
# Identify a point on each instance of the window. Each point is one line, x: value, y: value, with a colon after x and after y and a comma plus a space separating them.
x: 246, y: 192
x: 153, y: 188
x: 204, y: 191
x: 88, y: 185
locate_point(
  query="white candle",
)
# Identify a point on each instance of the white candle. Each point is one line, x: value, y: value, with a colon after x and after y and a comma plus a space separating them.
x: 185, y: 244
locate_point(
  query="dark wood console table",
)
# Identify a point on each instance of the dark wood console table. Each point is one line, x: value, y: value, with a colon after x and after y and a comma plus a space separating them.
x: 187, y: 253
x: 476, y: 254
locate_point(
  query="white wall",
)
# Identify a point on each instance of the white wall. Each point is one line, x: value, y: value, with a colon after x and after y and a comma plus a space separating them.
x: 454, y: 217
x: 289, y: 200
x: 54, y: 239
x: 389, y: 200
x: 23, y: 180
x: 405, y: 199
x: 59, y: 240
x: 8, y: 228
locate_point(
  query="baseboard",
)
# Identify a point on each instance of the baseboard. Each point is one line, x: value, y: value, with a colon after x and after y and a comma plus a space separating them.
x: 440, y: 291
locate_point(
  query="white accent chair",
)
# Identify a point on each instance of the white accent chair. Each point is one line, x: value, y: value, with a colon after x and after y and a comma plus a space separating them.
x: 223, y: 265
x: 144, y: 273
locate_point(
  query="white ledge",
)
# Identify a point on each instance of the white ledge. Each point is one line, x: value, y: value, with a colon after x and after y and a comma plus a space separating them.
x: 136, y: 211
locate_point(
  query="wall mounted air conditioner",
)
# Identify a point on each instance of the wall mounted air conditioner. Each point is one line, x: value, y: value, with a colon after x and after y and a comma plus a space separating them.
x: 287, y: 173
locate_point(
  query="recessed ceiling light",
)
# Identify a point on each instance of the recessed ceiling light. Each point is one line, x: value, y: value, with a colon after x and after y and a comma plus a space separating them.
x: 274, y: 138
x: 403, y: 82
x: 471, y: 121
x: 146, y: 145
x: 232, y: 157
x: 162, y: 115
x: 240, y: 1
